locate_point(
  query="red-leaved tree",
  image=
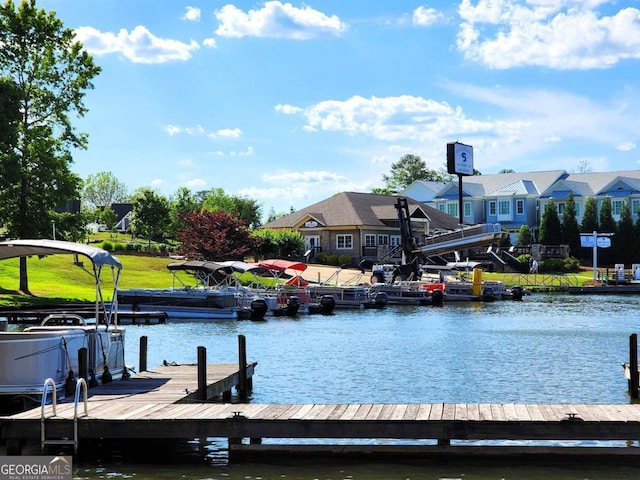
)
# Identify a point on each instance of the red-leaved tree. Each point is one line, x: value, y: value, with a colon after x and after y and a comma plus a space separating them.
x: 214, y: 235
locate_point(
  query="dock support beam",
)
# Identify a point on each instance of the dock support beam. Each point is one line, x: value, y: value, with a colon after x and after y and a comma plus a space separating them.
x: 633, y: 366
x: 143, y: 354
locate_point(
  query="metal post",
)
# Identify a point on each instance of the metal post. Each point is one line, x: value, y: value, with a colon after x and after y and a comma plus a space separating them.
x: 242, y: 367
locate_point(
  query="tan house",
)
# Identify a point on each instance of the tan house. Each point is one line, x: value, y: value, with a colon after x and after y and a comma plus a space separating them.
x: 362, y: 225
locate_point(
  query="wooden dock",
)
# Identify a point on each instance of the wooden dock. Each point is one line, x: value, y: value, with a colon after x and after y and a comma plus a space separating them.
x: 162, y: 404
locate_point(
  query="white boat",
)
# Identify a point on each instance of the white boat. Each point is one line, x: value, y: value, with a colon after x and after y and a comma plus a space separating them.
x: 214, y: 295
x: 348, y: 294
x: 56, y: 348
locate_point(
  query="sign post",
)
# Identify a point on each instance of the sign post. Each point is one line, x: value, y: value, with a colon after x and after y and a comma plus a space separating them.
x: 459, y: 162
x: 595, y: 240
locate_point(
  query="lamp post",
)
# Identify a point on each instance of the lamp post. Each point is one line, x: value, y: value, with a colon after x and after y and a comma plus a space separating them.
x: 53, y: 226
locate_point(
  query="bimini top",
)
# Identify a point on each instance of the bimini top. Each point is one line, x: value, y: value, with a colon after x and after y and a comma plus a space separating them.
x: 26, y: 248
x: 282, y: 265
x: 199, y: 266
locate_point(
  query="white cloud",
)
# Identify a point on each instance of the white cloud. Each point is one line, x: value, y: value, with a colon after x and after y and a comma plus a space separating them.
x: 626, y: 146
x: 288, y: 109
x: 555, y: 34
x: 139, y: 46
x: 229, y: 133
x: 392, y: 118
x: 426, y: 16
x: 209, y: 43
x: 195, y: 183
x: 277, y: 20
x: 192, y: 14
x: 172, y: 129
x: 312, y: 176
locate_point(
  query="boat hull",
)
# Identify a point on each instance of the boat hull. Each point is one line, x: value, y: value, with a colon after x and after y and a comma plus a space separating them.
x: 29, y: 357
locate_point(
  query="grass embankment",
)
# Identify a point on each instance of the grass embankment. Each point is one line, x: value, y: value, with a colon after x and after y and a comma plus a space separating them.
x: 56, y: 279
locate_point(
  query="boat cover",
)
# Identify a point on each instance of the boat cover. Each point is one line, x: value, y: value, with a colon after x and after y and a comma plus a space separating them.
x: 199, y: 266
x: 26, y: 248
x: 282, y: 265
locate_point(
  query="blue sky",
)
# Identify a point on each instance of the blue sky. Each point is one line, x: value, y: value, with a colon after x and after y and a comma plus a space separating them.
x: 290, y: 103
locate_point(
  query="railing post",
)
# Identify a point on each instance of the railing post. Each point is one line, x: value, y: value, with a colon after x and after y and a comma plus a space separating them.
x: 633, y: 366
x: 202, y: 373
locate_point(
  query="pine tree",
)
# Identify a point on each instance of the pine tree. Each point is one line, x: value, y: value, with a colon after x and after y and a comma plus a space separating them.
x: 550, y: 225
x: 570, y: 227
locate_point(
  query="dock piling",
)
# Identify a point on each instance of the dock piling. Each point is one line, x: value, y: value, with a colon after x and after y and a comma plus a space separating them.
x: 633, y: 366
x: 143, y: 353
x: 202, y: 373
x: 243, y: 386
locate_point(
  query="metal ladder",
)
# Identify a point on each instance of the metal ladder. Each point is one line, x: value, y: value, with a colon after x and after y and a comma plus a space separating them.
x: 81, y: 385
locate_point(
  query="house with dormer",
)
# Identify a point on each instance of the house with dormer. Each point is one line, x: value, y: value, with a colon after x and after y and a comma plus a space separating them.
x: 516, y: 199
x: 361, y: 225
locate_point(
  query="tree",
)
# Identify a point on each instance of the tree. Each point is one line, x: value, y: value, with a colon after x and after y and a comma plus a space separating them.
x: 405, y: 171
x: 607, y: 225
x: 109, y: 217
x: 570, y: 227
x: 243, y: 208
x: 590, y: 218
x: 150, y: 214
x: 623, y: 243
x: 50, y: 72
x: 182, y: 203
x: 71, y: 226
x: 524, y: 236
x: 550, y: 225
x: 214, y: 235
x: 507, y: 170
x: 103, y: 189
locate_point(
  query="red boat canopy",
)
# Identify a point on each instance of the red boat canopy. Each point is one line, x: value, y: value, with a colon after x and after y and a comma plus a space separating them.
x: 282, y: 265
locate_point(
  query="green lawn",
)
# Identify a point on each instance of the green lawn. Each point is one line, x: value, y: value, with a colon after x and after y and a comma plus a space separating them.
x: 56, y: 279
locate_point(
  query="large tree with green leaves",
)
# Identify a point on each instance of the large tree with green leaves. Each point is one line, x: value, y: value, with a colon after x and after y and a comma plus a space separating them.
x: 245, y: 209
x: 407, y: 170
x: 150, y: 214
x: 103, y: 189
x: 50, y: 72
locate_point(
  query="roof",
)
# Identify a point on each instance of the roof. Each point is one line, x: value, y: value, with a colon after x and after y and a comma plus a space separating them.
x: 362, y: 209
x: 26, y: 248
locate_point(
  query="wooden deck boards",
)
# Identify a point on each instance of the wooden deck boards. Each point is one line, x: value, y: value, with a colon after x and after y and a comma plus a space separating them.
x: 152, y: 405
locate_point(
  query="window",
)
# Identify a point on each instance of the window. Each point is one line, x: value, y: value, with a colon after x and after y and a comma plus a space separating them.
x: 616, y: 206
x: 395, y: 240
x: 452, y: 209
x: 635, y: 206
x: 383, y: 239
x: 467, y: 209
x: 519, y: 207
x: 369, y: 240
x: 344, y: 242
x: 578, y: 209
x: 504, y: 207
x: 442, y: 207
x: 561, y: 206
x: 492, y: 208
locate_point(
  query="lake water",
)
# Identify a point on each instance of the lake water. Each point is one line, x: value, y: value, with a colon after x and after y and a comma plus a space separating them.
x: 545, y: 349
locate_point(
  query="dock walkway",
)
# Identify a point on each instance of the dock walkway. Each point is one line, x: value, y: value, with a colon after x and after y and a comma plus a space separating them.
x: 162, y: 404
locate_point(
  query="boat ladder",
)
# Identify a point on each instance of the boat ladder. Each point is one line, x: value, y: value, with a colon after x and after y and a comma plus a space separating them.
x: 81, y: 385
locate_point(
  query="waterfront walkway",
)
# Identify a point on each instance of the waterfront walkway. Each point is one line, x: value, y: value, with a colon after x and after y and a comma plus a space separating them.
x: 162, y: 404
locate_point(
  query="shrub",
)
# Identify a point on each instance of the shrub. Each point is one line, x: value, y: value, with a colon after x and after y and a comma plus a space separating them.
x: 344, y: 259
x: 322, y: 258
x: 107, y: 245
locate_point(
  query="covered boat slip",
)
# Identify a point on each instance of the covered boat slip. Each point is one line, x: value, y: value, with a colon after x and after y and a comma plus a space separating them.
x: 64, y: 344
